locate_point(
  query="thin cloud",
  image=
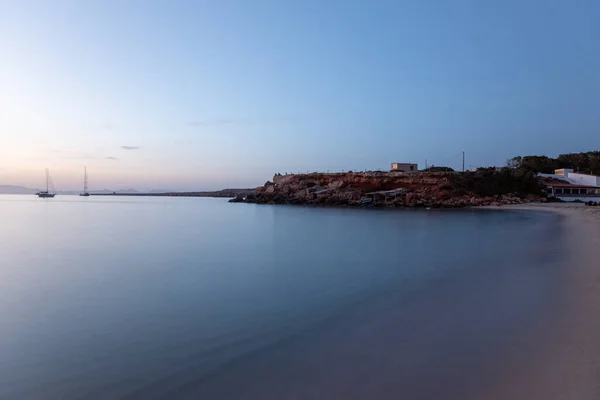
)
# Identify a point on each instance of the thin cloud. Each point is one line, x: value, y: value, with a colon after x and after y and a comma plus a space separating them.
x: 111, y: 158
x: 108, y: 127
x: 130, y: 147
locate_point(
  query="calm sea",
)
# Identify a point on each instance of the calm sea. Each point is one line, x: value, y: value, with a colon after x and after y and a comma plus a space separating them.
x: 127, y: 298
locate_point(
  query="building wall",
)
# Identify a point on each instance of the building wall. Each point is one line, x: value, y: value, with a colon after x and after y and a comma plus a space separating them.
x: 563, y: 171
x: 573, y: 191
x: 573, y: 177
x: 582, y: 179
x: 405, y: 167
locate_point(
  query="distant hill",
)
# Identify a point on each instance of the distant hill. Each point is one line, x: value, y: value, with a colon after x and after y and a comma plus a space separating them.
x: 103, y: 191
x: 108, y: 191
x: 229, y: 193
x: 12, y: 189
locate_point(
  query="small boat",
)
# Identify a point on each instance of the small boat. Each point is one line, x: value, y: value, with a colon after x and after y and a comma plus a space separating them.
x: 49, y: 192
x: 85, y: 183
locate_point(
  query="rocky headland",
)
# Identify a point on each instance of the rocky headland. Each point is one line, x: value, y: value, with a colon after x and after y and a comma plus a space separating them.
x: 388, y: 189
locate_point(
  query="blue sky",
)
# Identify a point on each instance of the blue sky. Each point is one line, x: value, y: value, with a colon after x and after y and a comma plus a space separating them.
x: 210, y: 94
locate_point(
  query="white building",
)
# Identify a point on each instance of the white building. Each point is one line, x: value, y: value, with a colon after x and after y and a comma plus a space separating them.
x: 583, y: 179
x: 570, y: 186
x: 405, y: 167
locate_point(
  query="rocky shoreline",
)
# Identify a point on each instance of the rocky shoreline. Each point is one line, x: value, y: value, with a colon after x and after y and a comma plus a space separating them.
x: 388, y: 189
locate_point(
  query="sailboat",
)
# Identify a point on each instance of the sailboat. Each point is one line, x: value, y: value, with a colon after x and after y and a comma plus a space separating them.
x: 49, y: 192
x: 85, y: 183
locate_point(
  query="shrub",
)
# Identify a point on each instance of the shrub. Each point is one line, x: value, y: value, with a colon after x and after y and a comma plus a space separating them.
x: 433, y: 168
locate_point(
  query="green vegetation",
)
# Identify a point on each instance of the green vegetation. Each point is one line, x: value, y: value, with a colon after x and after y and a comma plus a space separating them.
x: 490, y: 182
x: 434, y: 168
x: 587, y: 163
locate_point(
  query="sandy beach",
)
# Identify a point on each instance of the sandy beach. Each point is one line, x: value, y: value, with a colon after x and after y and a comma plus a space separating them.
x: 557, y: 357
x: 523, y: 332
x: 566, y: 361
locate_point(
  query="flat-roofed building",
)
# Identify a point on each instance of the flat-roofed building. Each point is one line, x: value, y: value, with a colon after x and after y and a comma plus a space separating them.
x: 405, y: 167
x: 567, y: 185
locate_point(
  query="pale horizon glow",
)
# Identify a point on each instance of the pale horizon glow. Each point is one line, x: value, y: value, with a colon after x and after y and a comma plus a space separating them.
x: 194, y: 95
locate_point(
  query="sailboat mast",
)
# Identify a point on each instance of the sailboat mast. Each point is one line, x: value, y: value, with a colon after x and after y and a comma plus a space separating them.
x: 47, y: 173
x: 85, y: 180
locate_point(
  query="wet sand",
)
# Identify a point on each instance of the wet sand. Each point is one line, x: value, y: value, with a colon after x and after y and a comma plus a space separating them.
x: 529, y: 331
x: 567, y: 362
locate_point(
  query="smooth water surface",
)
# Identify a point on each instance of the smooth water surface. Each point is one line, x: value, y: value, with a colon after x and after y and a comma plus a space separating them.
x: 132, y: 297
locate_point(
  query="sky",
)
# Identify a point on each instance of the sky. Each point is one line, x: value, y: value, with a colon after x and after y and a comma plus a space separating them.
x: 196, y: 95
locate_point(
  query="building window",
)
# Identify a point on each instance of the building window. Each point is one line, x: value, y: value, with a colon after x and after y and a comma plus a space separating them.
x: 412, y: 168
x: 567, y: 191
x: 558, y: 191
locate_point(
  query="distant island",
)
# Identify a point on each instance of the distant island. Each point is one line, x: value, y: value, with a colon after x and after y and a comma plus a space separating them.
x: 12, y: 189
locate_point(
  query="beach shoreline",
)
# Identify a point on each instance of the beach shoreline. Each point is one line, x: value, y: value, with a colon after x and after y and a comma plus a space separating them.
x: 554, y: 355
x: 518, y: 328
x: 568, y: 363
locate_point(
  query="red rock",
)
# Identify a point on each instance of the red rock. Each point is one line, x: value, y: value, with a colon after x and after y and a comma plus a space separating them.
x: 269, y: 189
x: 300, y: 193
x: 423, y: 189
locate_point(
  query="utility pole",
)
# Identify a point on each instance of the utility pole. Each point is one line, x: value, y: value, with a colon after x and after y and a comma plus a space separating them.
x: 463, y: 164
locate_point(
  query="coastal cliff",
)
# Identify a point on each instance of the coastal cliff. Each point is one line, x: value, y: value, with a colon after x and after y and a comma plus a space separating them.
x: 444, y: 190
